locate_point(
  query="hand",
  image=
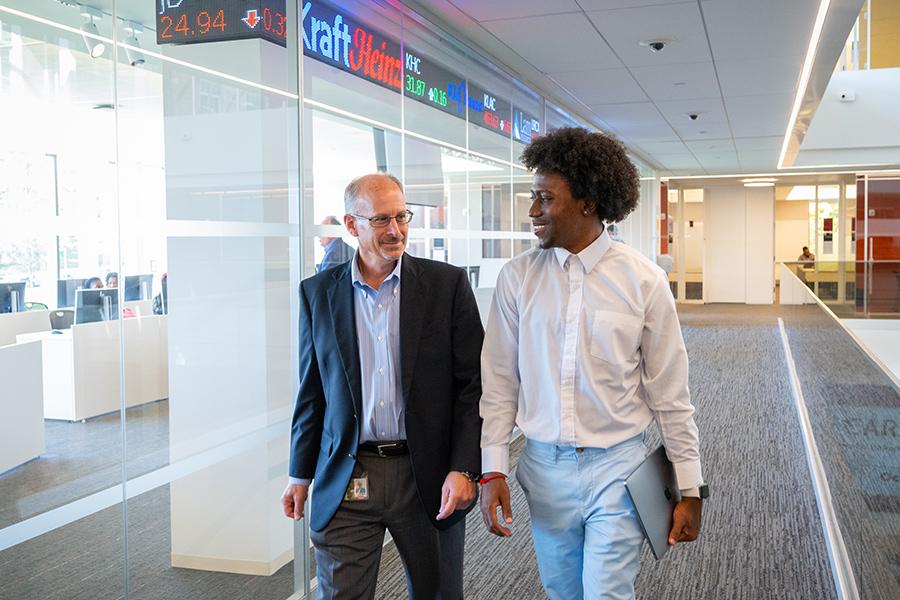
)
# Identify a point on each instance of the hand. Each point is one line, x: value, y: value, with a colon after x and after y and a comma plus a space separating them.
x: 458, y: 492
x: 685, y: 521
x: 293, y: 499
x: 493, y: 494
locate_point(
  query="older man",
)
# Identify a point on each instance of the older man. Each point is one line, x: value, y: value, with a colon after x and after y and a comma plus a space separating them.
x: 386, y: 420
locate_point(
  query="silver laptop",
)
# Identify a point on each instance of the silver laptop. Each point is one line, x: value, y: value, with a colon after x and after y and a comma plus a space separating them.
x: 654, y: 491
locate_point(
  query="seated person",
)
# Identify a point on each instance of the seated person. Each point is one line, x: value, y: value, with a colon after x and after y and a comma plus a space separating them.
x: 112, y: 280
x: 806, y: 258
x: 93, y: 283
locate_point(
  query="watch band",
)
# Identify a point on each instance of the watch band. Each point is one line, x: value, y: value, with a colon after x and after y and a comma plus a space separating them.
x: 471, y: 476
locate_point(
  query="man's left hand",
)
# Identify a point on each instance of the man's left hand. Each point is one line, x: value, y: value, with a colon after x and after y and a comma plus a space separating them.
x: 685, y: 521
x: 458, y: 492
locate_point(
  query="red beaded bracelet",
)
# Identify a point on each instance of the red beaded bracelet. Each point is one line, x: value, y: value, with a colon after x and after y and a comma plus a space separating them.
x: 484, y: 480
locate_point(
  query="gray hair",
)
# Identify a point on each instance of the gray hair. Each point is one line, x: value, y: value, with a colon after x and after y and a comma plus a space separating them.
x: 355, y: 188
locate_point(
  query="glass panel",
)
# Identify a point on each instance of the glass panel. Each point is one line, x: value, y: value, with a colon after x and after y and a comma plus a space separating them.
x: 692, y: 219
x: 853, y: 407
x: 61, y: 440
x: 209, y: 224
x: 673, y: 245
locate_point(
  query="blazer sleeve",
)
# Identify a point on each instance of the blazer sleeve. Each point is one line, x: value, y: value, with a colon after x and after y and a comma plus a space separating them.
x: 309, y: 411
x: 468, y: 335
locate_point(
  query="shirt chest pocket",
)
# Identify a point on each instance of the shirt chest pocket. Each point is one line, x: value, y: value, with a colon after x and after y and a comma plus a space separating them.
x: 616, y: 337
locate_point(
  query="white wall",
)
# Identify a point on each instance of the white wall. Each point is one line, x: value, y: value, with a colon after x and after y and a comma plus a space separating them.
x: 864, y: 131
x: 739, y: 244
x: 725, y: 275
x: 760, y: 240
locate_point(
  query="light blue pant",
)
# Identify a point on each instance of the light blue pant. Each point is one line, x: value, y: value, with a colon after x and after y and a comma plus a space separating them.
x: 586, y: 534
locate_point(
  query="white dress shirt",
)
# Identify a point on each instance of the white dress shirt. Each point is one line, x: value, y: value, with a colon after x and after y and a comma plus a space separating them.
x: 585, y: 350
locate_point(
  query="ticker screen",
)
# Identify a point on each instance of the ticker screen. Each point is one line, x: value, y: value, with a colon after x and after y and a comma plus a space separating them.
x: 338, y: 39
x: 198, y: 21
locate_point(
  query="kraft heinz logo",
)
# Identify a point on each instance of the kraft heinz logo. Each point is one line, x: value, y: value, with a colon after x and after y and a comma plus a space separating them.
x: 328, y: 34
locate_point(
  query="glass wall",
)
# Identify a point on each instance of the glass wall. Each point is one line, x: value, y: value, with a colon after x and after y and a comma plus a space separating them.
x: 160, y: 200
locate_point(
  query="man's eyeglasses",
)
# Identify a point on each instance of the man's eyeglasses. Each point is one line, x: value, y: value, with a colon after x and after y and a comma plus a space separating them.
x: 379, y: 221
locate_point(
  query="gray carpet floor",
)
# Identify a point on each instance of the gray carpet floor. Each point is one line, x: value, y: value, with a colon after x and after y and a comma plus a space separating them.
x: 761, y: 534
x: 854, y: 411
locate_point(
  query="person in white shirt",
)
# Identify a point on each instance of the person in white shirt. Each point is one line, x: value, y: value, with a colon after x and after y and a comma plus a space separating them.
x: 582, y: 351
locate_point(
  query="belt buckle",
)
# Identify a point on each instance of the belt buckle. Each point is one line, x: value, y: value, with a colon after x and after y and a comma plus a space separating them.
x: 382, y: 447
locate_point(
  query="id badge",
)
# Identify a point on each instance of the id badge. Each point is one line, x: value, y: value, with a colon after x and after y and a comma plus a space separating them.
x: 358, y: 489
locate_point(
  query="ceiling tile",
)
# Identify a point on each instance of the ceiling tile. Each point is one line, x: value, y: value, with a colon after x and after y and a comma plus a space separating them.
x: 636, y: 122
x: 750, y: 77
x: 702, y: 131
x: 677, y: 161
x: 512, y: 9
x: 708, y: 111
x: 759, y: 160
x: 764, y: 115
x: 680, y: 24
x: 678, y: 82
x: 727, y: 160
x: 664, y: 148
x: 614, y: 4
x: 758, y: 143
x: 761, y: 28
x: 572, y: 42
x: 710, y: 146
x: 606, y: 86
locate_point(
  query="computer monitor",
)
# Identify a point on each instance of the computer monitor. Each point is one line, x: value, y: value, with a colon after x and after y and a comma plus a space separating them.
x: 138, y: 287
x: 12, y: 297
x: 96, y: 305
x: 65, y: 291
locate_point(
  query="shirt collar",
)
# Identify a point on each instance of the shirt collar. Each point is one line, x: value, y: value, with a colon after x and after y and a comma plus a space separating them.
x: 357, y: 278
x: 590, y: 256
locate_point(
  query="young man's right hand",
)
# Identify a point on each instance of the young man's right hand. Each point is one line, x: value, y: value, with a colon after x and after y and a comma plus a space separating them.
x: 495, y: 493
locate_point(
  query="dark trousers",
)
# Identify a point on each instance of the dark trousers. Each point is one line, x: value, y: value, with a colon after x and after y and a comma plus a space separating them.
x: 348, y: 549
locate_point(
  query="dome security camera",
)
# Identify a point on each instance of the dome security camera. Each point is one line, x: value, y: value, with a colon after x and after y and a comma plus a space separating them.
x: 693, y: 116
x: 655, y: 45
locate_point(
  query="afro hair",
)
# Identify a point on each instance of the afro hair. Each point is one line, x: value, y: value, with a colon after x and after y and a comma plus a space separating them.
x: 594, y: 165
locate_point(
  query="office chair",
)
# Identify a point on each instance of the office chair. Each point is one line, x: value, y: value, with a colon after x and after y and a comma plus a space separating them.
x: 61, y: 319
x: 35, y: 306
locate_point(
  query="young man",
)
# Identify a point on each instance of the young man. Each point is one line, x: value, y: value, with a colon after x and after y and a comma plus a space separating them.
x: 386, y: 419
x: 583, y: 350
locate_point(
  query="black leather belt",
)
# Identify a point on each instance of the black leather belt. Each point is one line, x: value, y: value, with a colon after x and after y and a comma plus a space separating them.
x: 397, y: 448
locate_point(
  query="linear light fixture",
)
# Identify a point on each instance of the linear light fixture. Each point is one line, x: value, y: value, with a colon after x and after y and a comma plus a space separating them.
x: 804, y: 77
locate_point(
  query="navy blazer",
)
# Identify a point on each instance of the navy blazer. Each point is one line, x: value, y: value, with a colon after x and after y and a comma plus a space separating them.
x: 440, y: 350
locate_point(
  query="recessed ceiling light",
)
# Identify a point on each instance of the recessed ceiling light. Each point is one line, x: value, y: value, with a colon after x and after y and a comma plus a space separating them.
x: 678, y: 83
x: 759, y: 180
x: 760, y: 184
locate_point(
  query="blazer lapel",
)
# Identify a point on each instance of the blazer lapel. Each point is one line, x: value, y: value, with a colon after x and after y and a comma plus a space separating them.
x: 340, y: 301
x: 412, y: 303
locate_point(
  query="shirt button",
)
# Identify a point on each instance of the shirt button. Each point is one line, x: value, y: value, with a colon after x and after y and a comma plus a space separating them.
x: 381, y: 404
x: 379, y: 306
x: 383, y: 433
x: 380, y: 337
x: 381, y: 370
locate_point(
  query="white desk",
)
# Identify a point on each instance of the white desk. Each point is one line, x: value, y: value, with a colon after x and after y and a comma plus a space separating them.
x: 81, y: 374
x: 21, y: 412
x: 13, y: 324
